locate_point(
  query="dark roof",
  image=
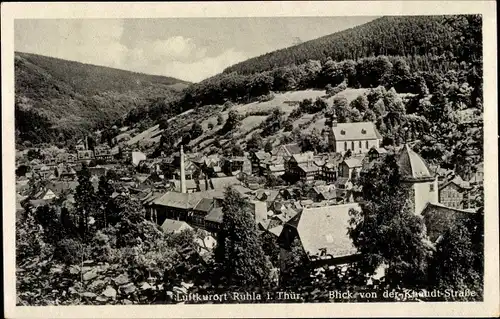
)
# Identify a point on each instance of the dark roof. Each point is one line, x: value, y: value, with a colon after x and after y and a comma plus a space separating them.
x: 185, y: 200
x: 215, y: 215
x: 204, y: 205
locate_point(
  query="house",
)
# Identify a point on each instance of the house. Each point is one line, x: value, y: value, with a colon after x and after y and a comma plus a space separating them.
x: 322, y: 232
x: 321, y: 193
x: 174, y: 205
x: 214, y: 220
x: 376, y: 152
x: 286, y: 150
x: 308, y: 172
x: 193, y: 185
x: 350, y: 168
x: 269, y: 195
x: 455, y: 193
x: 45, y: 194
x: 85, y: 155
x: 66, y: 173
x: 357, y: 137
x: 197, y: 215
x: 256, y: 159
x: 302, y: 167
x: 103, y: 152
x: 137, y: 157
x: 439, y: 218
x: 233, y: 164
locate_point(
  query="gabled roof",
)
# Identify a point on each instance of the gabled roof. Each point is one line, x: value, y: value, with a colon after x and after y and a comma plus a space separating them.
x: 288, y: 149
x: 325, y: 228
x: 458, y: 181
x: 261, y: 155
x: 353, y: 162
x: 355, y: 131
x: 204, y: 205
x: 303, y: 157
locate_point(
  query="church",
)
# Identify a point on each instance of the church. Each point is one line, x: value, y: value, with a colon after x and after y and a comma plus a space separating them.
x: 357, y: 137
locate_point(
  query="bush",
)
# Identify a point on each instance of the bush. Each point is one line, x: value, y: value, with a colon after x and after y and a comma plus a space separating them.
x: 70, y: 251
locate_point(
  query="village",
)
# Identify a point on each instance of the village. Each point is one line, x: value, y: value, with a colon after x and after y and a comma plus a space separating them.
x: 311, y: 201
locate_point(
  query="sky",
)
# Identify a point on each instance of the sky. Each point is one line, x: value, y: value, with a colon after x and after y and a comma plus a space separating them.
x: 190, y: 49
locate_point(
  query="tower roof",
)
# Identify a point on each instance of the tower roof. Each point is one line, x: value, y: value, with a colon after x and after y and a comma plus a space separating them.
x: 413, y: 167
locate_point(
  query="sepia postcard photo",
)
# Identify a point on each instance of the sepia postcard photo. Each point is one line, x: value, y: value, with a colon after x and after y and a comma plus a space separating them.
x: 250, y: 159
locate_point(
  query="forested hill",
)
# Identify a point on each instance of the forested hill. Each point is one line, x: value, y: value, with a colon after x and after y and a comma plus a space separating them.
x: 396, y: 36
x: 58, y: 99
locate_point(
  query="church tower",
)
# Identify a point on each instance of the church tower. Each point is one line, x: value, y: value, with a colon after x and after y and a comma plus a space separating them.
x: 414, y: 171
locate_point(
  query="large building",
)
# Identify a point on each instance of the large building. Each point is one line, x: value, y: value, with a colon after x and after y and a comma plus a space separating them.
x: 356, y: 137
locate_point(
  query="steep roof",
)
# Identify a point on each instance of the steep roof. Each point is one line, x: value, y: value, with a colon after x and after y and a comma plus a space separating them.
x: 308, y: 168
x: 288, y: 149
x: 355, y: 131
x: 412, y: 166
x: 325, y: 227
x: 303, y: 157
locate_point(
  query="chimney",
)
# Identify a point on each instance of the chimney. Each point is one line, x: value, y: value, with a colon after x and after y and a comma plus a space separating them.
x: 183, y: 173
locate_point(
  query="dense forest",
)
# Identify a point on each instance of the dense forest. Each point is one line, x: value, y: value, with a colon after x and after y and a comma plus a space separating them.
x: 59, y: 99
x: 399, y: 36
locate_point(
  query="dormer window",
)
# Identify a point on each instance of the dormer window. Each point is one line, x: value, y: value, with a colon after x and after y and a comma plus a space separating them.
x: 363, y: 131
x: 342, y: 132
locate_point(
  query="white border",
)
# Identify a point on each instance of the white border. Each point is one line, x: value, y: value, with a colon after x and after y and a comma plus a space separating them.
x: 490, y: 306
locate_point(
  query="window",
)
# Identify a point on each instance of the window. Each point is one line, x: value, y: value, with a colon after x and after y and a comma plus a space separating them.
x: 352, y: 145
x: 431, y: 187
x: 360, y: 146
x: 366, y: 144
x: 345, y: 146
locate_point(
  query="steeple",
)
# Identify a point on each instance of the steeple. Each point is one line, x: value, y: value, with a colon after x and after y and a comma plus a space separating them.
x: 183, y: 173
x: 334, y: 119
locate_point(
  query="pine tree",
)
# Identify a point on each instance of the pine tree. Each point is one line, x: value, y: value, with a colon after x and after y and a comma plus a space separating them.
x: 239, y: 254
x: 104, y: 192
x: 85, y: 200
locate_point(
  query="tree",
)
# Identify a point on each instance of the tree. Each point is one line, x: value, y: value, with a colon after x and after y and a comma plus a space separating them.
x: 104, y: 192
x: 85, y: 200
x: 386, y: 231
x: 196, y: 130
x: 233, y: 120
x: 268, y: 147
x: 239, y: 255
x: 360, y: 103
x: 255, y: 142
